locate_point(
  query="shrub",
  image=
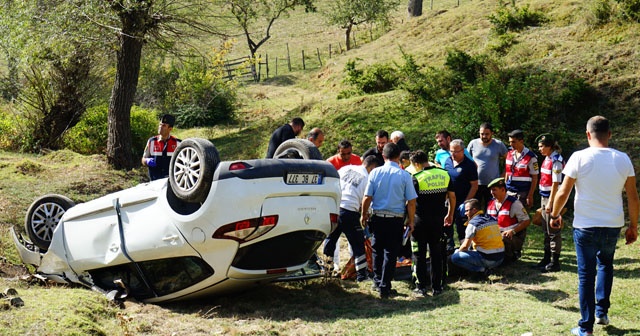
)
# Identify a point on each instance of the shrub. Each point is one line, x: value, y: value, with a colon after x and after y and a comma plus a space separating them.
x: 515, y: 18
x: 465, y: 68
x: 602, y: 11
x: 90, y: 135
x: 630, y: 9
x: 380, y: 77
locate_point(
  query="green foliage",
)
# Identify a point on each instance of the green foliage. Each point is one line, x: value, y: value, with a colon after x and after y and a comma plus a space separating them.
x: 601, y: 11
x: 372, y: 79
x: 89, y: 136
x: 466, y: 68
x: 630, y: 9
x: 515, y: 18
x: 428, y: 85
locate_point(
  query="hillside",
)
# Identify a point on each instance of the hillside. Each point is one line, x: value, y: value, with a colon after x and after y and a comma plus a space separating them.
x: 527, y: 302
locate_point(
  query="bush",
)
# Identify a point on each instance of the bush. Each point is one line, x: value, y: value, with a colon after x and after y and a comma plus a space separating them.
x: 380, y: 77
x: 90, y: 135
x: 602, y: 11
x: 630, y: 9
x: 515, y: 18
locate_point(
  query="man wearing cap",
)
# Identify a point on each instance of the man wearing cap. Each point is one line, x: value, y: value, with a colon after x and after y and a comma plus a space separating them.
x: 512, y: 218
x: 159, y: 150
x: 521, y: 169
x: 284, y: 133
x: 389, y: 192
x: 600, y: 175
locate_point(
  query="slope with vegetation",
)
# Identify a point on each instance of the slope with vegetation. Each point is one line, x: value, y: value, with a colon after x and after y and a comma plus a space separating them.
x: 567, y: 60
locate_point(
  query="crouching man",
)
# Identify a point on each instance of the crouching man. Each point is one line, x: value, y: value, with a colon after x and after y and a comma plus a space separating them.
x: 482, y: 248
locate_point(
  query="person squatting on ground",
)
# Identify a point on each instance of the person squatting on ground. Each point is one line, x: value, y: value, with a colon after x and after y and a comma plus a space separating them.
x: 345, y: 156
x: 599, y: 174
x: 512, y: 218
x: 284, y: 133
x: 159, y: 150
x: 521, y: 170
x: 353, y: 181
x: 389, y: 192
x: 434, y: 187
x: 550, y: 179
x: 482, y: 248
x: 487, y: 153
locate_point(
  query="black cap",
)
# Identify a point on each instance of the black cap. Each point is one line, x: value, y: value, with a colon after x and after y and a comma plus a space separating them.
x: 168, y: 119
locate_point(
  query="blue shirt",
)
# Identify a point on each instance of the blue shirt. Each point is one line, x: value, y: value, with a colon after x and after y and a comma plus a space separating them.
x: 390, y: 188
x: 442, y: 156
x: 462, y: 175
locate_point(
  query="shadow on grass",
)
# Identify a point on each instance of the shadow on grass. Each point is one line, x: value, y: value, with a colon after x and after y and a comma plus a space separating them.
x: 611, y: 330
x: 314, y: 301
x: 283, y: 80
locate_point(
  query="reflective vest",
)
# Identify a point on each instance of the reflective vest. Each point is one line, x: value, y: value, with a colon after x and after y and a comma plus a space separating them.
x: 161, y: 151
x: 505, y: 221
x: 488, y: 239
x: 432, y: 181
x: 546, y: 173
x: 517, y: 171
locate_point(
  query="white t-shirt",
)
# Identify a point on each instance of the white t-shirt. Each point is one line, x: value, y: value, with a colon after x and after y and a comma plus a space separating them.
x: 600, y: 175
x: 353, y: 181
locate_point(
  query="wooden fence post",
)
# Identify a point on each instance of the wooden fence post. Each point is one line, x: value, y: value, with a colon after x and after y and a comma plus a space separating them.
x: 319, y: 60
x: 267, y: 63
x: 288, y: 57
x: 304, y: 67
x: 276, y: 66
x: 340, y: 45
x: 329, y: 50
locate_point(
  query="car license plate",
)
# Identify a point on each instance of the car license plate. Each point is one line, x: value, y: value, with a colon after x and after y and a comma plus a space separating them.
x: 304, y: 178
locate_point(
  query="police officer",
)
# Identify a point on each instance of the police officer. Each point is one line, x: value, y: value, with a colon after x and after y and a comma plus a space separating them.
x: 159, y: 150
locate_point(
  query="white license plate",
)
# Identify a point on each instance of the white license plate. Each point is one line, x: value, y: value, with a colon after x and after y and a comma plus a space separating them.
x: 304, y: 178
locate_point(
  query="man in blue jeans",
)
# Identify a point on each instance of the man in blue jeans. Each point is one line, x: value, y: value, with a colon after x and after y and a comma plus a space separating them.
x: 600, y: 174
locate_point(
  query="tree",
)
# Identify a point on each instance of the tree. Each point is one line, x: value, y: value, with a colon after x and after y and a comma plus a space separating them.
x: 248, y: 12
x: 415, y: 7
x: 350, y: 13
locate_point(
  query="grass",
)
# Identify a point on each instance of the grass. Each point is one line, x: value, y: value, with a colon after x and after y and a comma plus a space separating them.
x: 516, y: 300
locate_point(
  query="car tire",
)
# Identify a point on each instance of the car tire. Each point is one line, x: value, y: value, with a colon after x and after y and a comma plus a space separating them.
x: 43, y: 217
x: 191, y: 169
x: 297, y: 149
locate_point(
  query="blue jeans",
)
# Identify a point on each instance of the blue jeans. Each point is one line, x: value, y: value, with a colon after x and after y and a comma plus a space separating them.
x: 473, y: 261
x: 595, y: 248
x: 349, y: 224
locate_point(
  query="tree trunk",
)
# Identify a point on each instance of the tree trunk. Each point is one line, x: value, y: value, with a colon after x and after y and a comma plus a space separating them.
x: 347, y: 35
x: 415, y: 7
x: 119, y: 151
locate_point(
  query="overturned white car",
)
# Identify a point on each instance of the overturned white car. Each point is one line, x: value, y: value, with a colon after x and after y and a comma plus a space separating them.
x: 211, y: 227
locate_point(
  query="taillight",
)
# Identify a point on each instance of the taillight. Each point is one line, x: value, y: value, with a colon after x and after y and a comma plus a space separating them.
x: 238, y: 166
x: 248, y: 229
x: 334, y: 221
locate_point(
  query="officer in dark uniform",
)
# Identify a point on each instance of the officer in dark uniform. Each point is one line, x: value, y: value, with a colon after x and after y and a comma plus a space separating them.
x: 159, y: 150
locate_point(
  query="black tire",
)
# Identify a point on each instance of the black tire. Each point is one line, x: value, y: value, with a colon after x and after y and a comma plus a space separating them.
x: 191, y: 169
x: 43, y: 217
x: 297, y: 149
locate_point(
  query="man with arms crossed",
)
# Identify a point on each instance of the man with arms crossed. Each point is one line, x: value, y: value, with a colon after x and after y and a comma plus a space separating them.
x: 600, y: 174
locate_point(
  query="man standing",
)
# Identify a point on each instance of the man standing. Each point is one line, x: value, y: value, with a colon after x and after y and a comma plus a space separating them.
x: 284, y: 133
x: 486, y: 152
x: 382, y: 137
x: 389, y: 192
x: 512, y: 218
x: 316, y: 136
x: 600, y: 174
x: 483, y: 234
x: 464, y: 175
x: 521, y: 169
x: 443, y: 138
x: 353, y: 181
x: 434, y: 188
x: 159, y: 150
x: 345, y: 156
x: 397, y: 137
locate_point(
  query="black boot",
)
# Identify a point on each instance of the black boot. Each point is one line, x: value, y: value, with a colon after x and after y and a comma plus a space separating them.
x: 554, y: 265
x: 546, y: 259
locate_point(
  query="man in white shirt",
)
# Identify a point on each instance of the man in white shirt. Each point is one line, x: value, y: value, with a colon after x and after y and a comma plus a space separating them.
x: 600, y: 174
x: 353, y: 181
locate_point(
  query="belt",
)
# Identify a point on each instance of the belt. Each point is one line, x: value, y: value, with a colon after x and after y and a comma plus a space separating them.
x: 384, y: 215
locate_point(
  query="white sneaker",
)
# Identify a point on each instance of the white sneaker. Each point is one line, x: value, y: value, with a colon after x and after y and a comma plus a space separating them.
x: 603, y: 320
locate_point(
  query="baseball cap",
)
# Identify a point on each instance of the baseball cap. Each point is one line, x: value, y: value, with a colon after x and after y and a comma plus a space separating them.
x: 499, y: 182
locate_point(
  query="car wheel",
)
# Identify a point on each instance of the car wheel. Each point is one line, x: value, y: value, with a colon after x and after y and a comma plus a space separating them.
x: 43, y: 217
x: 297, y: 149
x: 191, y: 169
